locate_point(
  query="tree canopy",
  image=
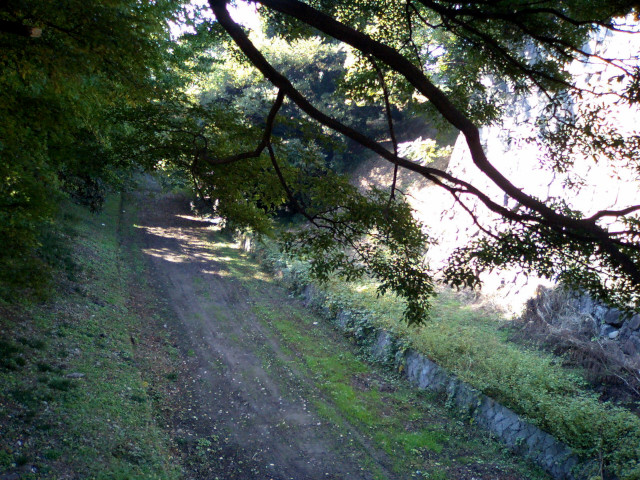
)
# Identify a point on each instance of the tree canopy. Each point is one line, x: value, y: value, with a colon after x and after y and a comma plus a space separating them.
x: 257, y: 123
x: 442, y: 52
x: 64, y: 67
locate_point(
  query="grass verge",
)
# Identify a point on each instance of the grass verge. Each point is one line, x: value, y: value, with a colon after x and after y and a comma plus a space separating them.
x: 416, y: 434
x: 73, y: 401
x: 469, y: 343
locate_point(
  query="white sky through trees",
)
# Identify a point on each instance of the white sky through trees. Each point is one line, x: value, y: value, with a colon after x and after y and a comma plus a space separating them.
x: 244, y: 13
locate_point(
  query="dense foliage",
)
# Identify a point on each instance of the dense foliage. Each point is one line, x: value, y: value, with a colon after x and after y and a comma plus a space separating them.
x: 264, y: 123
x: 64, y: 66
x: 462, y: 62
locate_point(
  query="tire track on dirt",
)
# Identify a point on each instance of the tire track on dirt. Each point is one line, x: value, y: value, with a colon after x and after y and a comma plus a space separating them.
x: 260, y: 415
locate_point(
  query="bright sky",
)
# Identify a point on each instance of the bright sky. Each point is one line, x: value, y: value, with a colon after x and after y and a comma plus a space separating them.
x: 246, y: 14
x: 243, y: 12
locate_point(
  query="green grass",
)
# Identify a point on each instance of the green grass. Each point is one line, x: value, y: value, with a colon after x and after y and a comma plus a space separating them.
x: 424, y: 439
x: 384, y: 416
x: 73, y: 402
x: 471, y: 344
x: 414, y: 431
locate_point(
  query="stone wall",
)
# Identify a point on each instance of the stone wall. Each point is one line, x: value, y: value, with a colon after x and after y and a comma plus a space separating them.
x: 611, y: 323
x: 522, y: 437
x: 618, y: 332
x: 603, y: 340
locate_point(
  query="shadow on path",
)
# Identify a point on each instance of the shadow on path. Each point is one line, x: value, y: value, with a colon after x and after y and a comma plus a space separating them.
x: 259, y: 415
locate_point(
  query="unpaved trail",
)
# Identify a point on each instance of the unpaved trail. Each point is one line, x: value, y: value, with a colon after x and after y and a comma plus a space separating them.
x: 250, y: 384
x: 260, y: 416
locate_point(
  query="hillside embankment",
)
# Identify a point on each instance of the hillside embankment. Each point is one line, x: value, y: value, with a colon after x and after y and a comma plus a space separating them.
x: 170, y: 354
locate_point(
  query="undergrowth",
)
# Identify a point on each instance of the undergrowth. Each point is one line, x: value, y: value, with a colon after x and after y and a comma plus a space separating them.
x: 469, y: 343
x: 73, y: 403
x: 412, y: 434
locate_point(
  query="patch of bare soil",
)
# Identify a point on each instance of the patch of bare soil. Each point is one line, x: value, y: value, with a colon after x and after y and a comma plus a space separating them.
x: 231, y: 418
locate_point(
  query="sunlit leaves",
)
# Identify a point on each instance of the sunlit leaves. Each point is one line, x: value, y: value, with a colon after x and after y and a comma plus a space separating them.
x: 554, y: 253
x: 478, y: 55
x: 589, y: 131
x: 357, y: 234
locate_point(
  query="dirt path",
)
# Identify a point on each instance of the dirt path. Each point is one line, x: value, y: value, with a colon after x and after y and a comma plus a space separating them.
x: 260, y: 417
x: 260, y: 388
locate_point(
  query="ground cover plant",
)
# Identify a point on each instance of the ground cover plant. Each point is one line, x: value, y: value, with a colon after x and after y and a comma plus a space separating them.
x: 471, y: 345
x: 417, y: 435
x: 73, y: 400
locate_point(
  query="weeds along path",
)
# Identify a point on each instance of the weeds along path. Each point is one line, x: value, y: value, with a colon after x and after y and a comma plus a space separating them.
x: 261, y: 413
x: 268, y: 392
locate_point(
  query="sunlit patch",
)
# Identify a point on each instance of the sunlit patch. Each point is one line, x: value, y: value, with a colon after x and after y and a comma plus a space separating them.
x: 262, y: 277
x: 165, y: 254
x: 161, y: 232
x: 219, y: 273
x: 221, y: 259
x: 213, y: 221
x: 234, y: 245
x: 363, y: 288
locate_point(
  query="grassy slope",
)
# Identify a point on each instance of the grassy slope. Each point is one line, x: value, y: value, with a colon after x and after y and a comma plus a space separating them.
x: 86, y: 376
x: 470, y: 343
x: 73, y: 401
x: 420, y: 437
x: 102, y: 425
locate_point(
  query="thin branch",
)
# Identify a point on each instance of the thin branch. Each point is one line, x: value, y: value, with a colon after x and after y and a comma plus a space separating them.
x: 558, y: 43
x: 392, y: 134
x: 534, y: 11
x: 285, y: 186
x: 473, y: 216
x: 416, y: 50
x: 424, y: 20
x: 264, y: 142
x: 452, y: 15
x: 613, y: 213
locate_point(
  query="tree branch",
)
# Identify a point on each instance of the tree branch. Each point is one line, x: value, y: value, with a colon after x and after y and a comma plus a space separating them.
x: 280, y: 81
x: 399, y: 63
x: 264, y: 142
x: 396, y: 61
x: 392, y: 133
x: 285, y: 186
x: 614, y: 213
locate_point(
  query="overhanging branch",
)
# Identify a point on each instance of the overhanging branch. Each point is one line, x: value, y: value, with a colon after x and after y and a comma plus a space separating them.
x: 264, y: 142
x: 549, y: 217
x: 392, y: 133
x: 280, y: 81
